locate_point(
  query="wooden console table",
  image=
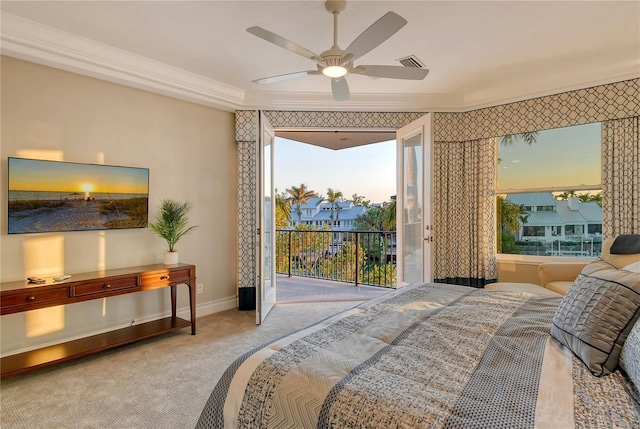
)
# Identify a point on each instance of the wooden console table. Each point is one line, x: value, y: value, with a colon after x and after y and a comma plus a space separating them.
x: 20, y: 296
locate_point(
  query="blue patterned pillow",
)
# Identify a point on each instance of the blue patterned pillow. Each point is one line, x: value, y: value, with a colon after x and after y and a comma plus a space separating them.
x: 630, y: 359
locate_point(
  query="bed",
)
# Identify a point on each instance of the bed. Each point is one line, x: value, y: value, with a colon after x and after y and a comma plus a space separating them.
x: 430, y: 355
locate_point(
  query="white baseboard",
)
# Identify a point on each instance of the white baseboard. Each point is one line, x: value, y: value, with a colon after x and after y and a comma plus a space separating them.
x: 212, y: 307
x: 202, y: 309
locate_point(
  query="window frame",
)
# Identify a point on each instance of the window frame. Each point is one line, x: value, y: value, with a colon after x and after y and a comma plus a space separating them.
x: 530, y: 209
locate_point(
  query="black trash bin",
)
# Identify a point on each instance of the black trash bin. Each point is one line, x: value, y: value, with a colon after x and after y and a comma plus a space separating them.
x: 247, y: 298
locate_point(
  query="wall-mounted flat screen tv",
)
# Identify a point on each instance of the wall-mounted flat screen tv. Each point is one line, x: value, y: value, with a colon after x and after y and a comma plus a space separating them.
x: 55, y: 196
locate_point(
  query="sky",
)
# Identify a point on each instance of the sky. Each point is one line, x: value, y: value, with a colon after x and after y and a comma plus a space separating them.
x: 37, y: 175
x: 561, y: 157
x: 369, y: 171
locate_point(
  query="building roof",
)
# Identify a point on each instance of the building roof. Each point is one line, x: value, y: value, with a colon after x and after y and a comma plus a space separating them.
x: 533, y: 199
x: 570, y: 216
x: 589, y: 212
x: 342, y: 204
x: 544, y: 219
x: 311, y: 203
x: 353, y: 212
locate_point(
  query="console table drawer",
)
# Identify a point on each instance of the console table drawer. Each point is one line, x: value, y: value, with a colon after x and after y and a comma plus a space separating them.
x: 34, y: 298
x: 105, y: 286
x: 165, y: 278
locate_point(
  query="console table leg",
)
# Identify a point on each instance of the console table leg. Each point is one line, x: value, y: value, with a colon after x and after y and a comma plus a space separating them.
x: 192, y: 306
x: 174, y: 289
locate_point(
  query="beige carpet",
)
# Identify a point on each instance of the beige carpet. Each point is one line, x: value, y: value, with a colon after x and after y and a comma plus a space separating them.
x: 159, y: 383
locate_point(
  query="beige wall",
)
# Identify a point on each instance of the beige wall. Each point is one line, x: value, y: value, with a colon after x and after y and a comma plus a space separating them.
x: 191, y: 153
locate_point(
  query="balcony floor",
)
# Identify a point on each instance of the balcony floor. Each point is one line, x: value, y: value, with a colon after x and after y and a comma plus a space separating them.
x: 304, y: 289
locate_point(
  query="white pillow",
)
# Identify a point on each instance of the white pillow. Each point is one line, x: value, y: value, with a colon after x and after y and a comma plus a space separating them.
x: 633, y: 267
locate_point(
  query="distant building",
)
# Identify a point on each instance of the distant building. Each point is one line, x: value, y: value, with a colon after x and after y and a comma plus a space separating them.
x: 317, y: 213
x: 548, y: 219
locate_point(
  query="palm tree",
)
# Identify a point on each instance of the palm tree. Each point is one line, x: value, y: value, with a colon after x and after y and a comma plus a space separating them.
x: 508, y: 220
x: 389, y: 216
x: 299, y: 196
x: 597, y: 198
x: 524, y: 216
x: 529, y: 137
x: 566, y: 195
x: 334, y: 198
x: 508, y: 215
x: 283, y: 210
x: 588, y: 196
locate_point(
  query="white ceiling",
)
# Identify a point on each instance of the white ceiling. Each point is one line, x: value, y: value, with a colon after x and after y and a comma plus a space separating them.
x: 338, y: 139
x: 479, y: 53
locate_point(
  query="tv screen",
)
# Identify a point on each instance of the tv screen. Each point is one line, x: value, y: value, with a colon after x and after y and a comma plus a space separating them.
x: 55, y: 196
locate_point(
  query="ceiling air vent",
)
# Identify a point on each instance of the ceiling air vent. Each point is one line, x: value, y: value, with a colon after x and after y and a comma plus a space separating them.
x: 411, y: 61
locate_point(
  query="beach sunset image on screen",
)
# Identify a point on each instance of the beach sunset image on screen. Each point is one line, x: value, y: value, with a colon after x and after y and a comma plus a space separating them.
x: 48, y: 196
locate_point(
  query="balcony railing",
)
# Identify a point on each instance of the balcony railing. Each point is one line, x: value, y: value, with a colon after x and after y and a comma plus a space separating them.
x: 360, y: 257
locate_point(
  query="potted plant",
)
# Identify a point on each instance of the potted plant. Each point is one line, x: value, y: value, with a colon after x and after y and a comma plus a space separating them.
x: 171, y: 223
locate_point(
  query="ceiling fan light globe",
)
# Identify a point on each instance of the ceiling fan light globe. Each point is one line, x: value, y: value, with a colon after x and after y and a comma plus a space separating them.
x: 334, y: 71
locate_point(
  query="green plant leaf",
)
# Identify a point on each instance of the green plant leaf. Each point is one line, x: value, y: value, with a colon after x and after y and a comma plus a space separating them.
x: 172, y: 221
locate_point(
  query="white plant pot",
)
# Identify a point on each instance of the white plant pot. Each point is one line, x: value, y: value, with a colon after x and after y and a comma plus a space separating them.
x: 170, y: 258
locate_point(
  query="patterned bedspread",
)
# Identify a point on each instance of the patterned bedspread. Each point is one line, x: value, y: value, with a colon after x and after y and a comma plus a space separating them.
x: 424, y: 356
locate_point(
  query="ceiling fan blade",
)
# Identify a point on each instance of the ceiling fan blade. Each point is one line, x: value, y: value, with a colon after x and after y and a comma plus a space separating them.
x: 340, y: 89
x: 283, y: 43
x: 392, y: 72
x: 287, y: 76
x: 377, y: 33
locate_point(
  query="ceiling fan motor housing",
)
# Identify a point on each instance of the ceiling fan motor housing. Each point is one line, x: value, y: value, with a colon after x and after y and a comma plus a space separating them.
x: 335, y: 6
x: 334, y: 60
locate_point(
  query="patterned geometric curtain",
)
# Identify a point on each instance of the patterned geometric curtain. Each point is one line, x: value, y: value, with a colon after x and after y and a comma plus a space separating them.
x: 621, y: 177
x: 465, y: 212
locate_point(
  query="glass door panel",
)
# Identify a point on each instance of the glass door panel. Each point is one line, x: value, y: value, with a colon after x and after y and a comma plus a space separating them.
x: 266, y: 289
x: 414, y: 202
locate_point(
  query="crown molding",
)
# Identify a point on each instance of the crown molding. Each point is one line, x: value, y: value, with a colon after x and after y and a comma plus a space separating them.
x: 312, y: 101
x: 40, y: 44
x: 30, y: 41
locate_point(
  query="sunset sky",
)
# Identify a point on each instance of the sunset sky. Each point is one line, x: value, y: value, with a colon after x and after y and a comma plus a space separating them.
x: 562, y: 157
x: 369, y: 171
x: 35, y: 175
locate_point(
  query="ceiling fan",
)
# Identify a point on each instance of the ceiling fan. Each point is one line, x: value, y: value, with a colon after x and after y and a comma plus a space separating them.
x: 336, y: 63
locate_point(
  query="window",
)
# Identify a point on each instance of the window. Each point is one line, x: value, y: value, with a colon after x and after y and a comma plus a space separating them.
x: 595, y: 228
x: 549, y: 192
x: 533, y: 231
x: 546, y: 208
x: 573, y: 229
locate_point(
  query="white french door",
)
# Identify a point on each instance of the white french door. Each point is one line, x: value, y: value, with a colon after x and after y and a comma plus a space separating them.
x: 266, y: 279
x: 413, y: 203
